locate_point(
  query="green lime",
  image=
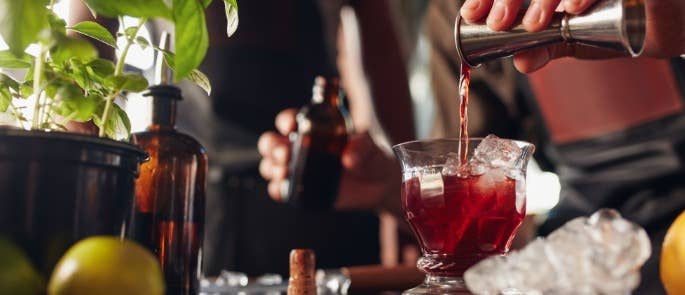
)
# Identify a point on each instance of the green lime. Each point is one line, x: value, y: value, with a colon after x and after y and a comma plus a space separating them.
x: 107, y: 265
x: 17, y: 274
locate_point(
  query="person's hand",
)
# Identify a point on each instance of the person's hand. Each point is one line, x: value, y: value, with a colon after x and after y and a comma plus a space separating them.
x: 370, y: 178
x: 82, y: 127
x: 665, y: 27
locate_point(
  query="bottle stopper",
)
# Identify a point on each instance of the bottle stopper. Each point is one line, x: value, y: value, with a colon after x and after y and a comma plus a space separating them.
x: 302, y: 272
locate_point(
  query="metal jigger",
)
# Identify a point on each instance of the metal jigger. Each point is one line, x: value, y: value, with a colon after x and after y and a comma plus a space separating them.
x: 611, y: 24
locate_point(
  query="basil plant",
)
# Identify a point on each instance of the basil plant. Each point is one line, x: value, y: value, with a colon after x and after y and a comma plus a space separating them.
x: 66, y: 78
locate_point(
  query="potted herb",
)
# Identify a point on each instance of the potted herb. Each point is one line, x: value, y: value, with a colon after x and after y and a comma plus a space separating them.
x: 58, y: 187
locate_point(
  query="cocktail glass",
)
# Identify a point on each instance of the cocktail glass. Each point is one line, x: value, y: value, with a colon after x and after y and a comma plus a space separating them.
x: 461, y: 211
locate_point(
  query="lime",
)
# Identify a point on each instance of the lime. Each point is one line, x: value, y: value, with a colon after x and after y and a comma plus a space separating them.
x: 17, y: 274
x: 107, y: 265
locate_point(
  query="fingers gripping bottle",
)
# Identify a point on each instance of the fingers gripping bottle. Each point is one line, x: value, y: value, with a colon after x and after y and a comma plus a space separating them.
x: 322, y: 132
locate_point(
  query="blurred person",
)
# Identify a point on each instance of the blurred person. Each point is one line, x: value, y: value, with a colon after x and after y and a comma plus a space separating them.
x: 268, y: 65
x: 613, y: 130
x: 371, y: 178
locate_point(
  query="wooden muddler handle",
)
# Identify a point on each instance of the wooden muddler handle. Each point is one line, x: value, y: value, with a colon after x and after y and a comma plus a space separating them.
x: 374, y: 278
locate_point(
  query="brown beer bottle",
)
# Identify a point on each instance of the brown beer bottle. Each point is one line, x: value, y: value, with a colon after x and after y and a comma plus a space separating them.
x: 170, y: 194
x: 317, y: 146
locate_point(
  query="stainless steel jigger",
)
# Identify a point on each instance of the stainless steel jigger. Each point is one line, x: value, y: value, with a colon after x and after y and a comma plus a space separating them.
x: 611, y: 24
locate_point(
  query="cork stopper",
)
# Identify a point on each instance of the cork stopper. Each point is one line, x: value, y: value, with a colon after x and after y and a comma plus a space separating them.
x: 302, y: 272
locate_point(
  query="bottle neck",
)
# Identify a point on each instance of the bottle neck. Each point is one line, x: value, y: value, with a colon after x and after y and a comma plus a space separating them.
x: 333, y: 100
x: 164, y: 105
x: 327, y: 92
x: 163, y: 113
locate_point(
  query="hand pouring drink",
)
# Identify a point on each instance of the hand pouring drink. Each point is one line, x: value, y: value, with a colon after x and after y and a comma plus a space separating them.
x: 612, y: 24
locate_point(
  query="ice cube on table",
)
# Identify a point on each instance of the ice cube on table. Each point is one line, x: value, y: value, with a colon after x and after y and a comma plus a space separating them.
x: 269, y: 279
x: 494, y: 152
x: 231, y: 278
x: 602, y: 254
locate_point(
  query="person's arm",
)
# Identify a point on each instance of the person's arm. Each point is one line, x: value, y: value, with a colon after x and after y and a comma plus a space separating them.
x: 385, y: 68
x: 665, y: 27
x: 371, y: 178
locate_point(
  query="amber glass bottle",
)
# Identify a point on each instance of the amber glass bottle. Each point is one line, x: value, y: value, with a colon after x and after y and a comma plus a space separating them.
x: 170, y: 195
x: 317, y: 146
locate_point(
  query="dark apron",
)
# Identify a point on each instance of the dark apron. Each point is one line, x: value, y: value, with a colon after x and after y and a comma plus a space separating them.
x: 639, y: 171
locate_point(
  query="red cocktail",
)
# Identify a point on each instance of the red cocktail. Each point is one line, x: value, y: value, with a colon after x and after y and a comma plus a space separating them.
x: 461, y: 209
x: 466, y: 223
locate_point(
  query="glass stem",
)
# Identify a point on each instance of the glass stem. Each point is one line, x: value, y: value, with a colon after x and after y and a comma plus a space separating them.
x: 442, y: 281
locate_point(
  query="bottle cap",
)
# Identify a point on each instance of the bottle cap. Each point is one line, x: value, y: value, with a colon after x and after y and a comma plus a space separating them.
x: 325, y: 87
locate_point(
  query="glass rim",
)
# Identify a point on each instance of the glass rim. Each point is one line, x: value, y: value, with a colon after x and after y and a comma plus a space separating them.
x: 520, y: 143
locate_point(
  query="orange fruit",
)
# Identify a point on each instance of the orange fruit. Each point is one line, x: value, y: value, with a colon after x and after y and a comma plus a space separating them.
x: 672, y: 265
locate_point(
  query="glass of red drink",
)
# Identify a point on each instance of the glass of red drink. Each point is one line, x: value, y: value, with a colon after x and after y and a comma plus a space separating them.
x: 463, y: 204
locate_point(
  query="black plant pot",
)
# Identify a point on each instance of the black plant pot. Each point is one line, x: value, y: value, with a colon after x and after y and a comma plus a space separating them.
x: 58, y: 188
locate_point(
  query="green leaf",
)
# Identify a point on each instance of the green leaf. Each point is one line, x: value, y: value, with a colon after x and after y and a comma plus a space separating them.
x: 10, y: 61
x: 118, y: 125
x: 191, y: 38
x: 5, y: 99
x: 131, y: 82
x: 8, y: 82
x: 21, y: 22
x: 79, y: 73
x: 64, y: 90
x: 206, y: 3
x: 6, y: 85
x: 142, y: 42
x: 169, y: 58
x: 130, y: 32
x: 100, y: 67
x: 135, y: 8
x: 201, y: 80
x: 29, y: 74
x: 95, y: 31
x: 121, y: 118
x: 68, y: 47
x: 26, y: 89
x: 57, y: 24
x: 195, y: 76
x: 231, y: 7
x: 79, y: 108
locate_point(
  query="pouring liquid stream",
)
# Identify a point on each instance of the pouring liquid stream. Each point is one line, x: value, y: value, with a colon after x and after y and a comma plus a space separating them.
x: 464, y: 81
